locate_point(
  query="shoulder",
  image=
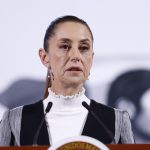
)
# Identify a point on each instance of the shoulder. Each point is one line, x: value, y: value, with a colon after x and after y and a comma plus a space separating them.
x: 119, y: 114
x: 33, y: 108
x: 28, y: 108
x: 100, y: 105
x: 106, y: 113
x: 101, y: 108
x: 14, y: 113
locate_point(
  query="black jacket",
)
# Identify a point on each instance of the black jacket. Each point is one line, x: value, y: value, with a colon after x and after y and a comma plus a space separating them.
x: 21, y: 124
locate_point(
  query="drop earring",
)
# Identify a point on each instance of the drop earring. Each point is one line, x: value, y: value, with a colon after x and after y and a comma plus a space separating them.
x: 51, y: 73
x: 52, y: 76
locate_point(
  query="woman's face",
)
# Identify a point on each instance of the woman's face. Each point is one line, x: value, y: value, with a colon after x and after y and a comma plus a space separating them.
x: 70, y: 53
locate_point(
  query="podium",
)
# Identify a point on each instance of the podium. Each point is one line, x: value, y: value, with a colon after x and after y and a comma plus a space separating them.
x: 129, y: 146
x: 81, y: 143
x: 110, y: 146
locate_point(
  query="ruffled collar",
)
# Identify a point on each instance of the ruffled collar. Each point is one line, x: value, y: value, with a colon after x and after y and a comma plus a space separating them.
x: 67, y: 104
x: 53, y: 94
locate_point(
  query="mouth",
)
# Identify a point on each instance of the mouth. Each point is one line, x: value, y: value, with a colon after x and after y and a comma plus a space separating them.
x: 74, y: 69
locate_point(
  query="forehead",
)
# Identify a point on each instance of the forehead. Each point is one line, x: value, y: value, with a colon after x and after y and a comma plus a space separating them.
x: 72, y: 30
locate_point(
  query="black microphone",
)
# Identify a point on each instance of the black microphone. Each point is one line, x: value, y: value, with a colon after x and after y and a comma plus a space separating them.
x: 99, y: 121
x: 35, y: 139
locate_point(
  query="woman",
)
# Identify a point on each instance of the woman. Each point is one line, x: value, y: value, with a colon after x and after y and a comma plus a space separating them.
x: 68, y: 55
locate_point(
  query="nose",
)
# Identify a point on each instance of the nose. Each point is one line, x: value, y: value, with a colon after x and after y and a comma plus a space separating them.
x: 75, y: 55
x: 75, y: 59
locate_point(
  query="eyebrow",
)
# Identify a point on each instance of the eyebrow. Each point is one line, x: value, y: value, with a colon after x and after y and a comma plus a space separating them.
x: 65, y: 40
x: 68, y: 40
x: 84, y: 40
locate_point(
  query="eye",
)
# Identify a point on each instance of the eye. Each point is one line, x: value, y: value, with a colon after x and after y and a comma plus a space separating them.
x: 84, y: 48
x: 65, y: 46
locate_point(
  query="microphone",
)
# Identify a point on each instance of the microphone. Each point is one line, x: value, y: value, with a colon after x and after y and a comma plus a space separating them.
x: 35, y: 139
x: 99, y: 121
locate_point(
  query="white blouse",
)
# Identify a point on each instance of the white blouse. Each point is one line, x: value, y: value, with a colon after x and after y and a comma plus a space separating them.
x: 67, y: 115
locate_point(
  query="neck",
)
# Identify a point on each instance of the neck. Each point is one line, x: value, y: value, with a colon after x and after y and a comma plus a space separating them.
x: 66, y: 90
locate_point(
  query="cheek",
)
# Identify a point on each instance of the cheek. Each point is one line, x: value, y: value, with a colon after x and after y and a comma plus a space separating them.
x: 88, y: 61
x: 54, y: 59
x: 57, y: 64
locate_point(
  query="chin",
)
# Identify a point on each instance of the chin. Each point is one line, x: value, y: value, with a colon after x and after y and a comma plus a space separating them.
x: 75, y: 81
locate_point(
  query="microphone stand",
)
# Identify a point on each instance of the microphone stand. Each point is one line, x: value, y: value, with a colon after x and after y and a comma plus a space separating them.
x: 35, y: 139
x: 99, y: 121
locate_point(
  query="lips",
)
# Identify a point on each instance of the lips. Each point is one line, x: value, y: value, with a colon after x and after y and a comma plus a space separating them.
x: 74, y: 69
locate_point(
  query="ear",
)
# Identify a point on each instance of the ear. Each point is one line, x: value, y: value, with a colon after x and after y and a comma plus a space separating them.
x: 44, y: 57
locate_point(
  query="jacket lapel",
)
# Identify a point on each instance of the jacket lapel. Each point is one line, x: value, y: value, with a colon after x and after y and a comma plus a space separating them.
x: 93, y: 129
x: 31, y: 118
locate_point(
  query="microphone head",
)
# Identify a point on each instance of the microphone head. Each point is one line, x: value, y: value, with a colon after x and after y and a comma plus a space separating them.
x: 86, y: 105
x: 48, y: 107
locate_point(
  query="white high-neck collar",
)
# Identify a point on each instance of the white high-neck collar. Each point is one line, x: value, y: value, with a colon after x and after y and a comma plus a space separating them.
x: 66, y: 97
x: 67, y: 116
x: 66, y: 103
